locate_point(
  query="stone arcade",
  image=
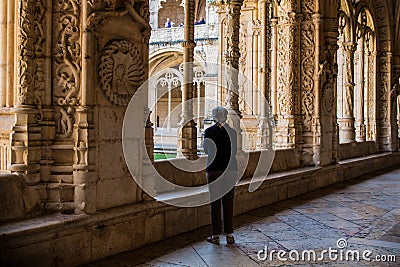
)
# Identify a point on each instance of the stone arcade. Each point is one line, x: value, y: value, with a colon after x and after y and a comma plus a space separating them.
x: 68, y: 68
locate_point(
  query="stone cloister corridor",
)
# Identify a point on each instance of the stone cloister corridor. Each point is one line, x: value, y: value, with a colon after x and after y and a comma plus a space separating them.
x: 315, y: 221
x: 89, y: 89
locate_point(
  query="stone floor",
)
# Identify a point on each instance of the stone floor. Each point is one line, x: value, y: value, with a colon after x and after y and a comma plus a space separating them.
x: 351, y: 217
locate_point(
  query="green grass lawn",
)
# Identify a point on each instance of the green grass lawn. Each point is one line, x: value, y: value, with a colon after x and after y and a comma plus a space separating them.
x: 158, y: 156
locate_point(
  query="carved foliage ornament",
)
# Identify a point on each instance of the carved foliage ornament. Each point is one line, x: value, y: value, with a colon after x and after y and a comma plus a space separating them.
x: 39, y: 46
x: 307, y: 6
x: 67, y: 54
x: 67, y: 64
x: 232, y: 25
x: 371, y: 87
x: 242, y: 66
x: 307, y: 73
x: 31, y: 46
x: 25, y: 47
x: 383, y: 79
x: 121, y: 71
x: 286, y: 73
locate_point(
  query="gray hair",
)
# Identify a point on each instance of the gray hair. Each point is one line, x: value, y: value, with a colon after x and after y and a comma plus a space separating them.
x: 219, y: 114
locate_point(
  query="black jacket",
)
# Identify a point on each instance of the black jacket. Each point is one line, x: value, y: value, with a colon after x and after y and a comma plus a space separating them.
x: 219, y: 155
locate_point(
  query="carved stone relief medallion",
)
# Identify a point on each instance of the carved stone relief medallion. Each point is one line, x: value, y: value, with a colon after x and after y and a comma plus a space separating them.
x: 121, y: 71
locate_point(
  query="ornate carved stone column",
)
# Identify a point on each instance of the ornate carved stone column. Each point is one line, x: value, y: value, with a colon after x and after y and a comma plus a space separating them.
x: 308, y: 82
x: 317, y: 92
x: 327, y: 71
x: 371, y: 106
x: 26, y: 133
x: 395, y: 107
x: 359, y: 109
x: 187, y: 137
x: 256, y: 68
x: 264, y: 136
x: 10, y: 54
x: 274, y: 66
x: 385, y: 119
x: 288, y: 71
x: 232, y: 55
x: 3, y: 52
x: 396, y: 95
x: 346, y: 123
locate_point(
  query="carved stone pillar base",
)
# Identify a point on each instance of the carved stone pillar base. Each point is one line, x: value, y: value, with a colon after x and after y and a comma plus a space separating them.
x: 84, y: 176
x: 285, y: 132
x: 360, y: 132
x: 85, y: 191
x: 346, y: 130
x: 26, y: 145
x: 187, y: 141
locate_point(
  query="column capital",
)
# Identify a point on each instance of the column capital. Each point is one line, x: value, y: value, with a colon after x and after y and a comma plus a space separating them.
x: 188, y: 44
x: 349, y: 47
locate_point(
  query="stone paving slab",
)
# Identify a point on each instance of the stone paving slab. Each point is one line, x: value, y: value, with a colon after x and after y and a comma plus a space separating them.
x: 364, y: 213
x: 187, y: 256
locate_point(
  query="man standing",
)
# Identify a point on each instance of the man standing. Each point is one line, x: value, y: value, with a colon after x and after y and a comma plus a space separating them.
x: 220, y: 144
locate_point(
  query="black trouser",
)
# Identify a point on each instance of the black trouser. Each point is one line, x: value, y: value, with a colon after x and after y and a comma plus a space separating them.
x: 215, y: 207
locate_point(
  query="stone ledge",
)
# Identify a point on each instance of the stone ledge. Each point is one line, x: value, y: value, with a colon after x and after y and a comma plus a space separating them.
x: 357, y: 149
x: 66, y: 240
x: 17, y: 200
x: 283, y: 161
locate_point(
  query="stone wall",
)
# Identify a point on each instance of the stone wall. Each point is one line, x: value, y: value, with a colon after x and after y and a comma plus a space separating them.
x: 76, y: 68
x: 71, y: 68
x: 66, y: 240
x: 352, y: 150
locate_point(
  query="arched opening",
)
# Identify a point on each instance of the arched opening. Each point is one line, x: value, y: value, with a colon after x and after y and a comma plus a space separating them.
x: 345, y: 81
x: 165, y: 99
x: 364, y: 77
